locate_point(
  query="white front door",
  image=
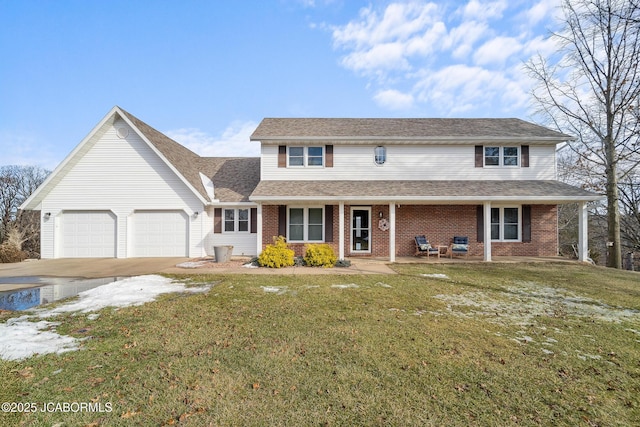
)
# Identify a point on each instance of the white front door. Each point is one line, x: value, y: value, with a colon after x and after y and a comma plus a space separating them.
x: 361, y: 230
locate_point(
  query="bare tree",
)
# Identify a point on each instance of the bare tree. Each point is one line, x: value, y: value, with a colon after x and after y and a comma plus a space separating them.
x: 16, y: 184
x: 591, y: 91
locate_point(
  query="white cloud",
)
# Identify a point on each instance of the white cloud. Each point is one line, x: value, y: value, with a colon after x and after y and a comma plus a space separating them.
x: 232, y: 142
x: 497, y: 51
x: 379, y: 43
x: 478, y: 10
x: 455, y: 60
x: 394, y: 100
x: 542, y: 10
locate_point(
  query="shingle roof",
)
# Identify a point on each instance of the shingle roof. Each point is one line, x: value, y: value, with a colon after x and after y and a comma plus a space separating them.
x: 421, y: 191
x: 234, y: 178
x: 422, y: 129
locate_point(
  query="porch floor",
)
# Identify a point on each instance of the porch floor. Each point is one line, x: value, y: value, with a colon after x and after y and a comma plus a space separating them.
x: 463, y: 259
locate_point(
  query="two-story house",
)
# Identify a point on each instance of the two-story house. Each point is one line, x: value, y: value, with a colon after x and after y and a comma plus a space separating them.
x: 367, y: 187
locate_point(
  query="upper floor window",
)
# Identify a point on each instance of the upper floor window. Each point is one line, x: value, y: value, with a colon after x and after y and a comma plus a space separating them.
x: 501, y: 156
x: 306, y: 156
x: 380, y: 155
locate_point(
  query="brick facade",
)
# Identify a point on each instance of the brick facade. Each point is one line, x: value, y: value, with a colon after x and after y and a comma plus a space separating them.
x: 438, y: 222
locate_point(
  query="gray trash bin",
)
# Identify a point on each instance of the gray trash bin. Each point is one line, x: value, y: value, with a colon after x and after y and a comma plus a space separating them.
x: 222, y: 253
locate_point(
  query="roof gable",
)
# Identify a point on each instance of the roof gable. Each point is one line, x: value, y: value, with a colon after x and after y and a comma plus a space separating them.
x: 234, y: 178
x: 417, y: 129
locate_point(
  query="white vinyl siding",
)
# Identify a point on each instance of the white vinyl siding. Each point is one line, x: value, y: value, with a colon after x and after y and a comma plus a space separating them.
x: 411, y: 162
x: 122, y: 176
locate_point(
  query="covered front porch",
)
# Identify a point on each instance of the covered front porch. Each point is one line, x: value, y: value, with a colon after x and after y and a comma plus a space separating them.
x: 380, y: 219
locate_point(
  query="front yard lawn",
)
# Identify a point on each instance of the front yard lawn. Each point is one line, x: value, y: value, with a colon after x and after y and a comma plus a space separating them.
x: 455, y: 345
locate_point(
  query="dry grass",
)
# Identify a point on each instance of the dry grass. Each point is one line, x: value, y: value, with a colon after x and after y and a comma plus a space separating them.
x: 472, y: 345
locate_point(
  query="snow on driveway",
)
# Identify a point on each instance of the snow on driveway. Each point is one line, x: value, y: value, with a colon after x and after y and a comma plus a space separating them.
x: 22, y: 337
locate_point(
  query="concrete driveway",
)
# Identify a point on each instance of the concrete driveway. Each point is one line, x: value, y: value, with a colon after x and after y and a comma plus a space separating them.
x: 89, y: 268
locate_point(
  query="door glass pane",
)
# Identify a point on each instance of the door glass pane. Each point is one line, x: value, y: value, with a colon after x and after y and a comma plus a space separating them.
x: 360, y: 231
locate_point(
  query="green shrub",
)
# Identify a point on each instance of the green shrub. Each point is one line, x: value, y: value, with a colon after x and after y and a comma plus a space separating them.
x: 277, y: 255
x: 11, y: 253
x: 320, y: 255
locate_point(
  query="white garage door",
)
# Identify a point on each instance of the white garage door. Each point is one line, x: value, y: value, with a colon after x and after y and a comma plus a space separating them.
x: 160, y: 234
x: 88, y: 234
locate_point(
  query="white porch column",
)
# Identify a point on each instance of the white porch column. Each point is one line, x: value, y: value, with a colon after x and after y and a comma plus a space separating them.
x: 341, y: 230
x: 259, y: 229
x: 392, y: 232
x: 487, y: 231
x: 583, y: 232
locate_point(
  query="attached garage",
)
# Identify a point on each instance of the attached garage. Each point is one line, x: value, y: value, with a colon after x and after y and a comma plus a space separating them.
x: 160, y: 234
x: 88, y: 234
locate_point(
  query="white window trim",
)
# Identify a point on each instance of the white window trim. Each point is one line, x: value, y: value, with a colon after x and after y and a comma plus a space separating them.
x: 305, y: 224
x: 236, y: 221
x: 360, y: 208
x: 375, y: 156
x: 502, y: 208
x: 501, y: 156
x: 305, y: 156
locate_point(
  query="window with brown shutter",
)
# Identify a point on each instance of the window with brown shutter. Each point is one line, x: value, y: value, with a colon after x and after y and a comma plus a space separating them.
x: 328, y: 151
x: 282, y: 156
x: 479, y: 156
x: 524, y: 154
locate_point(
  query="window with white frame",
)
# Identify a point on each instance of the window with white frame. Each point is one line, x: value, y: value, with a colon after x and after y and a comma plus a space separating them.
x: 236, y: 220
x: 501, y: 156
x: 380, y: 155
x: 505, y: 224
x: 306, y: 224
x: 306, y: 156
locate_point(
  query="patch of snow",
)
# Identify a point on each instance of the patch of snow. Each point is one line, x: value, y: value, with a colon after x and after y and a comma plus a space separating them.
x: 545, y: 351
x: 23, y: 338
x: 250, y: 265
x: 274, y: 289
x: 192, y: 264
x: 93, y: 316
x: 436, y: 275
x: 523, y: 303
x: 345, y: 286
x: 383, y: 285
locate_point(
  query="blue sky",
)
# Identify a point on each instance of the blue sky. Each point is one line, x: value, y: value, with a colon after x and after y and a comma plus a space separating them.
x: 206, y: 72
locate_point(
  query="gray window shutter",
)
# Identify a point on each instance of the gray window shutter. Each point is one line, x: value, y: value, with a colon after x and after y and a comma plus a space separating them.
x: 480, y: 222
x: 526, y: 223
x: 282, y: 220
x: 328, y: 223
x: 217, y: 220
x: 328, y: 152
x: 524, y: 155
x: 254, y: 220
